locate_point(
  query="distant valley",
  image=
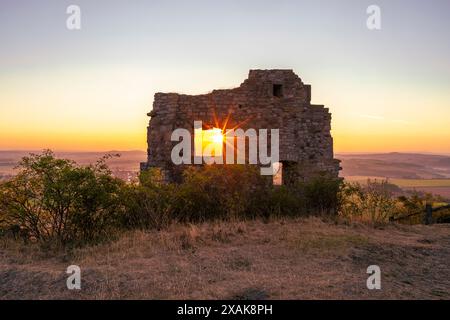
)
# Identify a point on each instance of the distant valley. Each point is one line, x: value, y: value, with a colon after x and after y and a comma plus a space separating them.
x: 396, y: 165
x: 410, y: 171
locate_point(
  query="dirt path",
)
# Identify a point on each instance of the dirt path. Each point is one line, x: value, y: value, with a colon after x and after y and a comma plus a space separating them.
x: 283, y: 259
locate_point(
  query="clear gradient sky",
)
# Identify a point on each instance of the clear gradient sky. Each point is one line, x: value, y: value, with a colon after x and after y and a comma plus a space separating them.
x: 388, y: 90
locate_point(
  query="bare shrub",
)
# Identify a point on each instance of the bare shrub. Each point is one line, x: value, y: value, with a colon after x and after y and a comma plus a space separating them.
x: 374, y: 202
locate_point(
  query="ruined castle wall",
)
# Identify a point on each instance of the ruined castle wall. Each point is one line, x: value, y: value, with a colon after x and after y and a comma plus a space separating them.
x: 305, y: 138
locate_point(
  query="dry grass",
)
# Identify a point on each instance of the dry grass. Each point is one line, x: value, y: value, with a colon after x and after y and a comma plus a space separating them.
x: 279, y: 259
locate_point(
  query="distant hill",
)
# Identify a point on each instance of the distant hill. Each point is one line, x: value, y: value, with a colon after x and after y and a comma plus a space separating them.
x: 396, y: 165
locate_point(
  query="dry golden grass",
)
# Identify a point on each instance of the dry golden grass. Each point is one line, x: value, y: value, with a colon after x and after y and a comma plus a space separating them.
x: 278, y: 259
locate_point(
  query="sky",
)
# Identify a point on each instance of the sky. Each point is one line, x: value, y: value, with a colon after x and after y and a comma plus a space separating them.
x: 90, y: 89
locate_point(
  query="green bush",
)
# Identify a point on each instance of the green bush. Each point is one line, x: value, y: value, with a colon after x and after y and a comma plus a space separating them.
x: 322, y: 194
x: 57, y: 200
x: 206, y: 193
x: 148, y: 206
x: 318, y: 196
x: 285, y: 201
x: 54, y: 199
x: 220, y: 192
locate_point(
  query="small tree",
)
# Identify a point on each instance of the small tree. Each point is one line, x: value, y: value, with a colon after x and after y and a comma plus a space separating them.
x: 55, y: 199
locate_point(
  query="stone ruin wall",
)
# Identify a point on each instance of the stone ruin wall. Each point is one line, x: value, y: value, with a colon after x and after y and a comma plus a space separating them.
x: 268, y: 99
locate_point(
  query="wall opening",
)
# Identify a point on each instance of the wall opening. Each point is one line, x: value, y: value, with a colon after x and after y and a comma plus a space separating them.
x: 278, y: 174
x: 289, y: 173
x: 278, y: 90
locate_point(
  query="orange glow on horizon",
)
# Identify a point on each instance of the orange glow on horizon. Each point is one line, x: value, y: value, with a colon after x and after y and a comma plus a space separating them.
x: 103, y: 108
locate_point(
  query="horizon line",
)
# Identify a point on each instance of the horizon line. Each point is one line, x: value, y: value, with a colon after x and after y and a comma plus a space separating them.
x: 144, y: 151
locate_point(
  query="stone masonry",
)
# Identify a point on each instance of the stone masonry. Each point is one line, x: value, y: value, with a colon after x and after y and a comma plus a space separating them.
x: 268, y: 99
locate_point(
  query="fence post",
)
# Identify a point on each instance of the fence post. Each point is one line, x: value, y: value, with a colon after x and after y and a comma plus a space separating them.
x: 428, y: 214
